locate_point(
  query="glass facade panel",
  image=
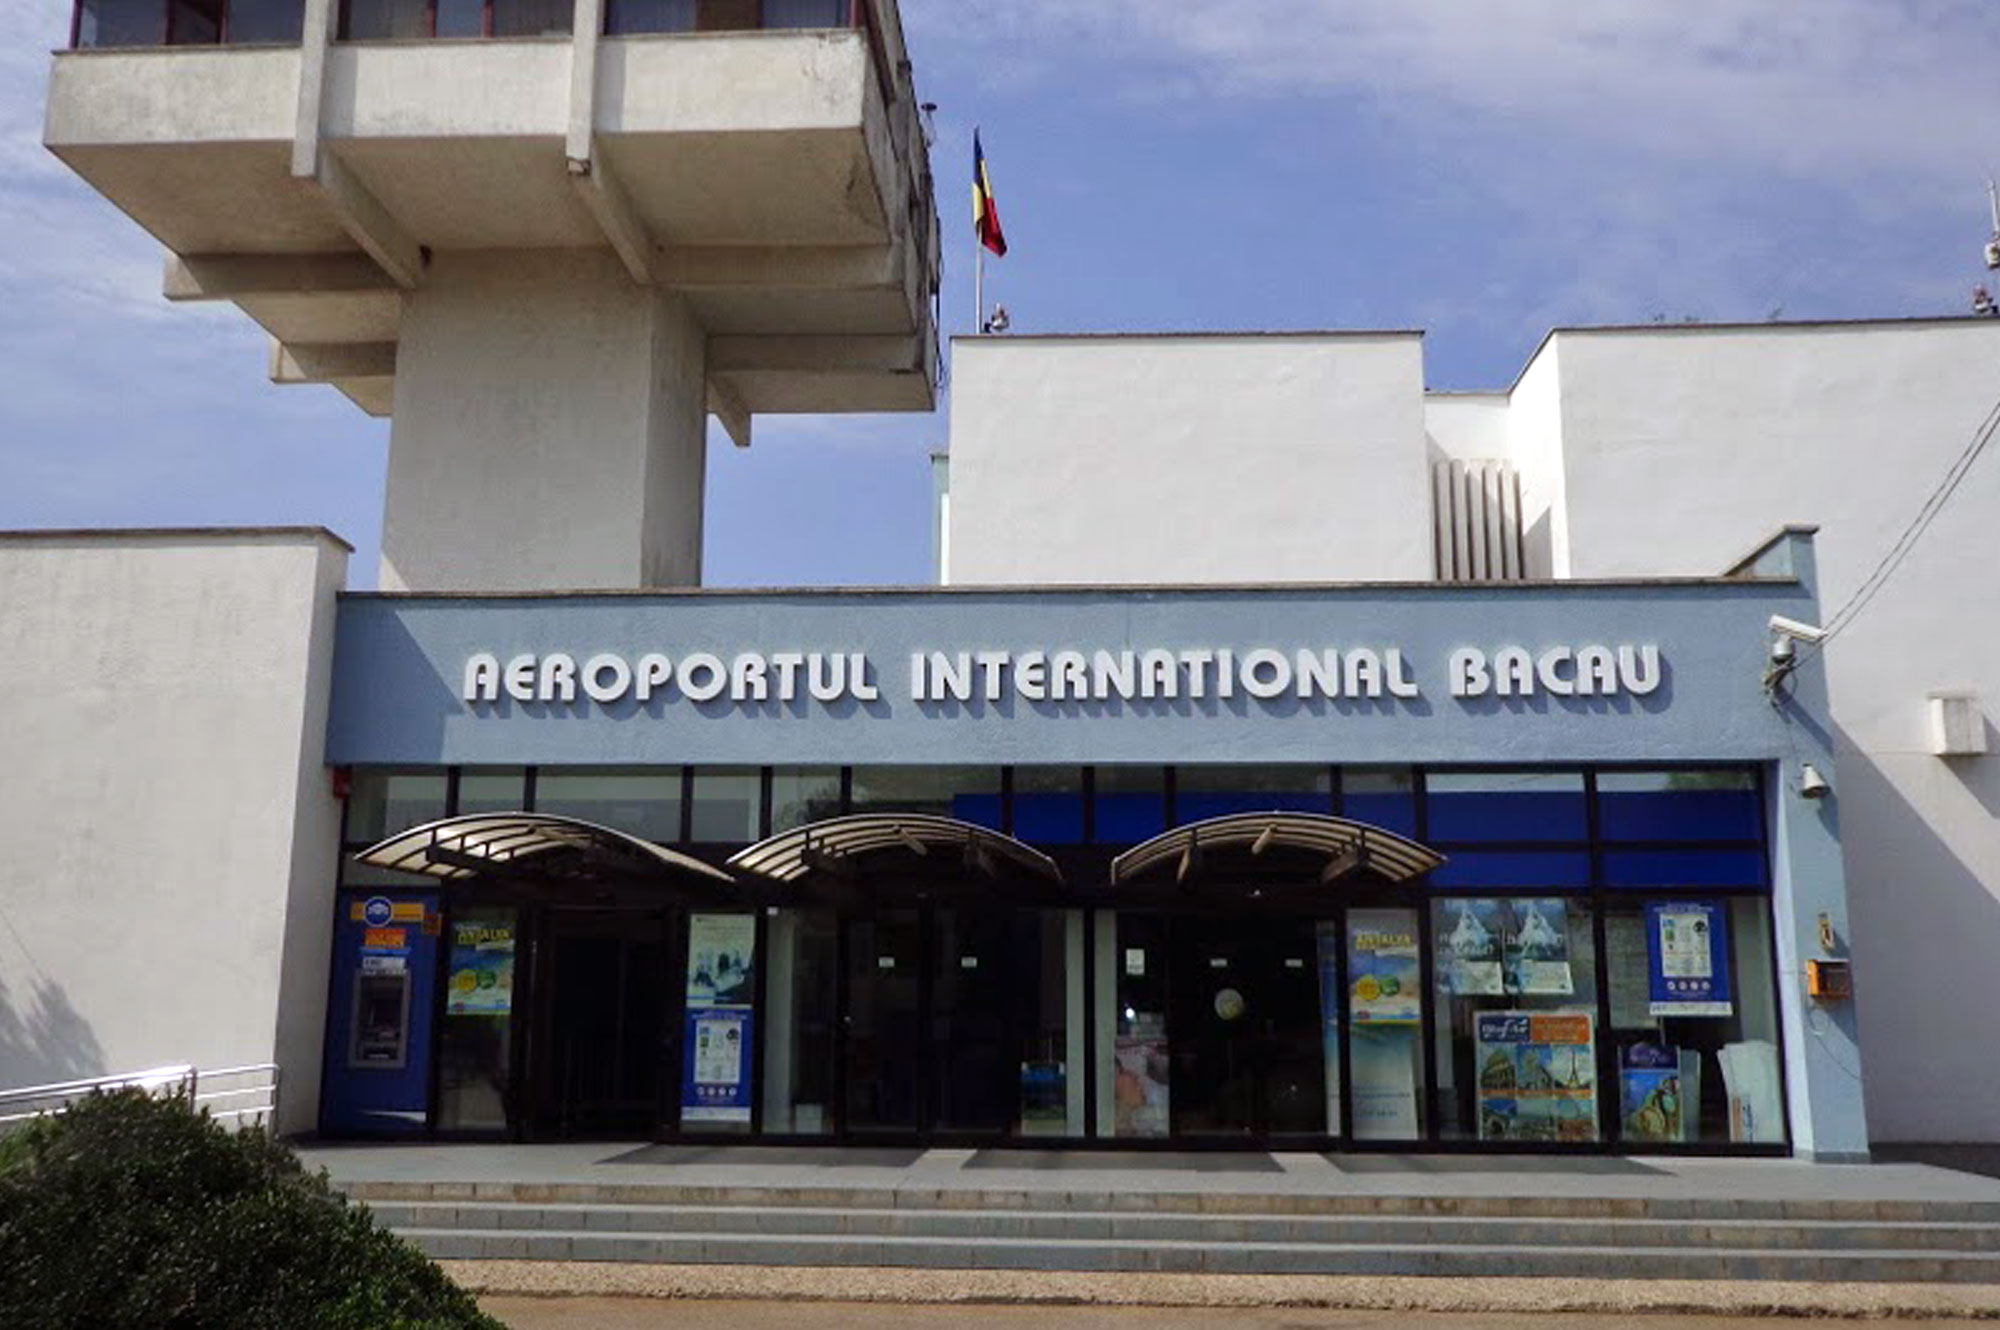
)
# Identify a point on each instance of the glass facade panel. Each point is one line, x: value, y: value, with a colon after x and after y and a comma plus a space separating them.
x: 808, y: 13
x: 532, y: 18
x: 1000, y: 1020
x: 194, y: 22
x: 1694, y: 1021
x: 624, y: 17
x: 492, y: 790
x: 1130, y: 804
x: 475, y: 1049
x: 1205, y: 792
x: 799, y: 1016
x: 1383, y: 797
x: 1568, y: 869
x: 1048, y: 805
x: 1506, y: 806
x: 121, y: 23
x: 1653, y: 869
x: 1516, y: 1026
x: 726, y: 806
x: 382, y: 803
x: 970, y: 794
x: 269, y: 21
x: 459, y: 18
x: 1699, y: 805
x: 386, y: 20
x: 802, y: 795
x: 642, y: 803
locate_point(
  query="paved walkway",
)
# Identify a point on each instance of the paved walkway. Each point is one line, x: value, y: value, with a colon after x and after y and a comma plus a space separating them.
x: 1060, y: 1171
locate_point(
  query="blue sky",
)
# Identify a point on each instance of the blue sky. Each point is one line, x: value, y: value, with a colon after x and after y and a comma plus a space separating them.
x: 1482, y: 169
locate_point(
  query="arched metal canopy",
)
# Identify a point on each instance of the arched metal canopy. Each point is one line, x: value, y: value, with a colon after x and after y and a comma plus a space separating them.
x: 494, y: 844
x: 837, y: 843
x: 1348, y: 847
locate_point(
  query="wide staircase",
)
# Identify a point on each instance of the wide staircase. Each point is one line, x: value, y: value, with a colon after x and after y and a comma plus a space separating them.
x: 1244, y: 1231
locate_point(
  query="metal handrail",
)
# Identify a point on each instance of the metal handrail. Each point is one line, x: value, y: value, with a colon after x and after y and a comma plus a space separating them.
x: 179, y: 1078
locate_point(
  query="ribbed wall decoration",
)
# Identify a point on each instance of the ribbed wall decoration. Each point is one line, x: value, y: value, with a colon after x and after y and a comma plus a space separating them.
x: 1477, y: 521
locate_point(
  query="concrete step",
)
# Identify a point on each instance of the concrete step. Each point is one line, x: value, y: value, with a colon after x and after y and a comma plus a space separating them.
x: 1329, y: 1258
x: 1100, y: 1226
x: 1249, y: 1203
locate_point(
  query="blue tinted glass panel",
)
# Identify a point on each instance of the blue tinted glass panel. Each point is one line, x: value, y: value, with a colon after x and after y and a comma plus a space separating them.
x: 1679, y: 815
x: 1508, y: 815
x: 1535, y: 868
x: 982, y: 810
x: 1050, y: 819
x: 1129, y: 818
x: 1684, y: 868
x: 1195, y: 805
x: 1391, y: 812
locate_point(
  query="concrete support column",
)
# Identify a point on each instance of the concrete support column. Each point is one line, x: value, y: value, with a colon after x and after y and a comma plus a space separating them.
x: 549, y: 430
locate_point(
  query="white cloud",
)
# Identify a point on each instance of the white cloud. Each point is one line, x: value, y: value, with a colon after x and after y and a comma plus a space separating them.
x: 1844, y: 90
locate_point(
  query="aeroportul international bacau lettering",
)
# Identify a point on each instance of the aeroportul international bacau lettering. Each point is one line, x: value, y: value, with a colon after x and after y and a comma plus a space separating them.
x: 1070, y: 675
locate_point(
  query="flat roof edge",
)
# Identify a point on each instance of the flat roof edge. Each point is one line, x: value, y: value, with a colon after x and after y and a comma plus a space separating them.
x: 111, y: 535
x: 1190, y: 335
x: 1091, y: 588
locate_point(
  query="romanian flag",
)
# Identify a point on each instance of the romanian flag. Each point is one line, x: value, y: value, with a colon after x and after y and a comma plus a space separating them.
x: 985, y: 212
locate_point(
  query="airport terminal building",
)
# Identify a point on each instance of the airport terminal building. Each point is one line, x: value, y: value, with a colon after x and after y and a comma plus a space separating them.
x: 1287, y: 756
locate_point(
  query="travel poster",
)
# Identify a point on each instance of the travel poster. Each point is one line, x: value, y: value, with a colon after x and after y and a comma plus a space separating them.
x: 1687, y: 958
x: 1382, y: 968
x: 1468, y: 947
x: 1384, y: 1059
x: 1537, y: 1076
x: 1651, y: 1097
x: 482, y: 970
x: 720, y: 950
x: 716, y: 1079
x: 1537, y: 948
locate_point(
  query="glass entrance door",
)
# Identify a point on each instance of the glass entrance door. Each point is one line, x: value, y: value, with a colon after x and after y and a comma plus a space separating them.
x: 883, y: 1022
x: 1248, y: 1042
x: 603, y: 1002
x: 988, y: 963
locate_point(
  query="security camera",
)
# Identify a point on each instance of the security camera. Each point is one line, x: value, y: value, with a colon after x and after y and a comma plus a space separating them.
x: 1812, y: 785
x: 1804, y: 632
x: 1993, y: 253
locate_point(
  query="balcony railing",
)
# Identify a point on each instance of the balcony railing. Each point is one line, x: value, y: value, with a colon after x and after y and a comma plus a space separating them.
x: 102, y: 23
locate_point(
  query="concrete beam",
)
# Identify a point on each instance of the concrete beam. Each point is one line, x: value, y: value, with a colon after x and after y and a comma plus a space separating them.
x: 786, y: 267
x: 814, y: 354
x: 324, y: 362
x: 604, y: 195
x: 726, y: 404
x: 229, y: 276
x: 373, y: 227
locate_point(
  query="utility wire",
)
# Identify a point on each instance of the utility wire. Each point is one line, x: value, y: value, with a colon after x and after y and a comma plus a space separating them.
x: 1939, y: 497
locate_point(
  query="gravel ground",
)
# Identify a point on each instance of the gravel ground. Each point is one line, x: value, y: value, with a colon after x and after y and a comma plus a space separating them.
x: 502, y: 1279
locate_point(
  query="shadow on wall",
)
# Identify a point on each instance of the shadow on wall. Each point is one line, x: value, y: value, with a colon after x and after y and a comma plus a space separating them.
x: 1925, y: 932
x: 44, y: 1039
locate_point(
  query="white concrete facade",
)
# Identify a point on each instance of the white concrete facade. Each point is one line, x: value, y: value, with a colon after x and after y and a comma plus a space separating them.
x: 1188, y: 459
x: 1640, y: 452
x: 169, y: 821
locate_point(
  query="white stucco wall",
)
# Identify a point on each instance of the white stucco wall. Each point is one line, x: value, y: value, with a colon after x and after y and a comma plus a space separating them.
x: 168, y: 834
x: 546, y: 410
x: 1681, y: 446
x: 1468, y: 427
x: 1189, y: 459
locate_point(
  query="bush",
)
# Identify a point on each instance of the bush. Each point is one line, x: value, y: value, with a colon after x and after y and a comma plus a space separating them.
x: 132, y: 1211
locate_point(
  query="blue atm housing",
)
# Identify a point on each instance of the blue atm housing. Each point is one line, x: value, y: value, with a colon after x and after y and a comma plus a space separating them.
x: 378, y: 1048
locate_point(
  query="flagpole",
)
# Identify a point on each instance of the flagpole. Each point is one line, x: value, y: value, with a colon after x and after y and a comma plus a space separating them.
x: 978, y: 285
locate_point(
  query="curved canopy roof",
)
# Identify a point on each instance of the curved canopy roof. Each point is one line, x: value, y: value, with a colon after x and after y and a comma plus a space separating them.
x: 483, y: 844
x: 1348, y: 847
x: 835, y: 844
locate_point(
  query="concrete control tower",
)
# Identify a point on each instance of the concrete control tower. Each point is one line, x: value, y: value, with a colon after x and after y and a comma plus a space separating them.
x: 548, y: 236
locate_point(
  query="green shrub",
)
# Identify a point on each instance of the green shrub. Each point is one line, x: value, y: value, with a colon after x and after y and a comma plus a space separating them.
x: 132, y: 1211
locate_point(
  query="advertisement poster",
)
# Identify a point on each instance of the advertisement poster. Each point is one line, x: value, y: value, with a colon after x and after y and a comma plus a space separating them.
x: 1468, y: 947
x: 1687, y: 958
x: 716, y: 1080
x: 1650, y: 1093
x: 482, y: 970
x: 1385, y: 1083
x: 1537, y: 1076
x: 1383, y: 983
x: 1538, y: 949
x: 1140, y: 1090
x: 720, y: 948
x: 716, y: 1084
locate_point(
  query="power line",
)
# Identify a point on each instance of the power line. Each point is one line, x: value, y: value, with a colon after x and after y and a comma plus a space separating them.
x: 1905, y: 543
